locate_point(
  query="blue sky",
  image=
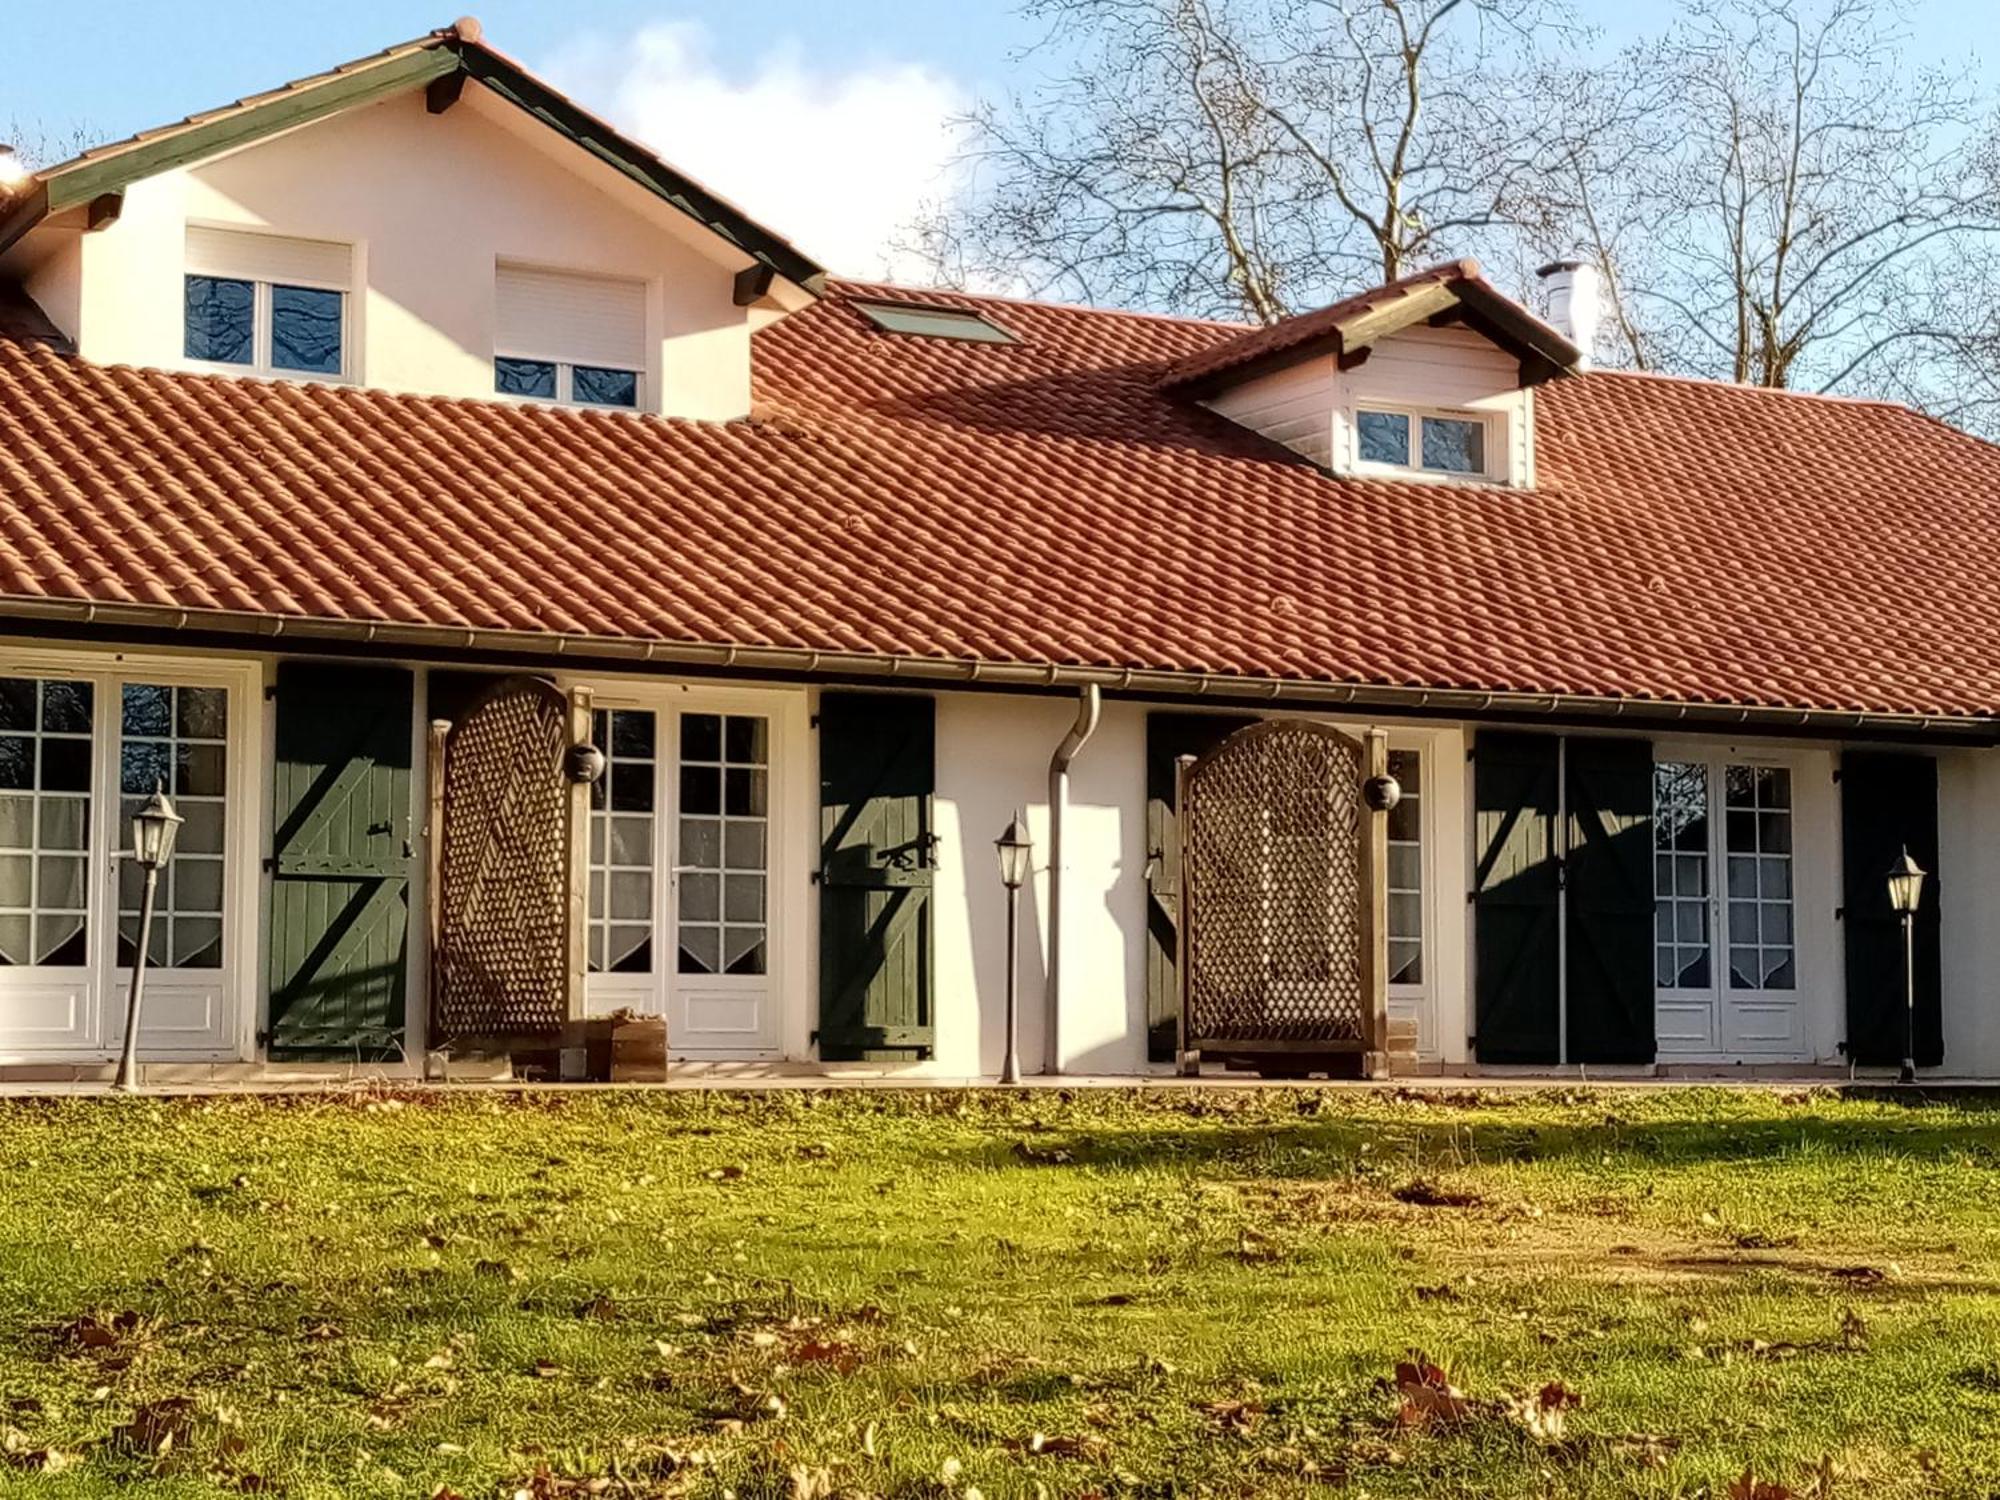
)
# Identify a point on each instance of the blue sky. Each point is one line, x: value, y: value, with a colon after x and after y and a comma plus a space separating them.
x: 754, y: 99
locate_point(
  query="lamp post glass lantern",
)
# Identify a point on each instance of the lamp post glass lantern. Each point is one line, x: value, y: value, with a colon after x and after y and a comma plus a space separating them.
x: 1016, y: 851
x: 1906, y: 893
x: 154, y: 828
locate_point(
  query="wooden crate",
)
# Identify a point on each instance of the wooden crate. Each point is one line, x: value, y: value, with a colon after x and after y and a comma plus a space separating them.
x: 639, y: 1050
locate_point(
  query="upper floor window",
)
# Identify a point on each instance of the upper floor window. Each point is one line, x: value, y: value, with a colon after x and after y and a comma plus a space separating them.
x: 267, y: 304
x: 1452, y: 443
x: 564, y: 337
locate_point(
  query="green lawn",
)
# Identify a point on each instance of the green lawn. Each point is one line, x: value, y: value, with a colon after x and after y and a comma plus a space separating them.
x: 950, y: 1294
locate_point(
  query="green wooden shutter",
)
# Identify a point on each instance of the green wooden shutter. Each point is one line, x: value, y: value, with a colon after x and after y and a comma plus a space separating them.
x: 1609, y: 884
x: 1169, y: 736
x: 1516, y: 891
x: 877, y: 860
x: 340, y: 906
x: 1888, y: 802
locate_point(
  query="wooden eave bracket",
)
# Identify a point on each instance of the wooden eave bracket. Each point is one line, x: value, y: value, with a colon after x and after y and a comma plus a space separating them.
x: 752, y: 282
x: 443, y: 91
x: 104, y: 210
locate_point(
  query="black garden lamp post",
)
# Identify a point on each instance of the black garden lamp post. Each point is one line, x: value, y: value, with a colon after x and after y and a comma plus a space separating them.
x: 1016, y: 850
x: 1906, y: 889
x: 153, y: 829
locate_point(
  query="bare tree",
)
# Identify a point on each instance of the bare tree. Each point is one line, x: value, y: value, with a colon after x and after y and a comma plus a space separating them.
x: 1776, y: 198
x: 1249, y: 157
x: 41, y: 144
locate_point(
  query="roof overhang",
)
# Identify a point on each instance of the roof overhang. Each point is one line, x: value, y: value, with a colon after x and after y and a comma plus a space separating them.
x: 438, y: 63
x: 1454, y: 293
x: 122, y: 622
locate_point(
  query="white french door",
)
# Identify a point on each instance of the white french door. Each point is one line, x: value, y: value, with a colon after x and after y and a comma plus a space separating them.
x: 80, y: 748
x: 683, y: 843
x: 1725, y: 935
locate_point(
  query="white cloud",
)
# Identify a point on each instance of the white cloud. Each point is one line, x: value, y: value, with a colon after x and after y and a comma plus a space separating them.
x: 837, y: 162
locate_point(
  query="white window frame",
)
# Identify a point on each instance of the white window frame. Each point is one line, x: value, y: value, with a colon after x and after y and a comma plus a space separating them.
x: 1420, y: 999
x: 1720, y: 995
x: 566, y: 364
x: 260, y: 365
x: 98, y: 988
x: 565, y: 383
x: 1491, y: 429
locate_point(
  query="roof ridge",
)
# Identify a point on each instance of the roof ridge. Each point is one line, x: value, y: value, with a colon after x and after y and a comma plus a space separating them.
x: 1676, y: 378
x: 849, y: 286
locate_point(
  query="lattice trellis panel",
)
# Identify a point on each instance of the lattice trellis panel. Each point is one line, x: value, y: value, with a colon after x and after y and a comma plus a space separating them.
x: 502, y: 960
x: 1276, y: 902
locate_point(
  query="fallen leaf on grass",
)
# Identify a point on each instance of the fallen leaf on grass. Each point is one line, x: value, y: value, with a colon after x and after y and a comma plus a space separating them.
x: 1044, y: 1446
x: 1233, y: 1416
x: 1750, y: 1487
x: 730, y: 1173
x: 157, y: 1426
x: 1853, y: 1332
x: 1258, y: 1250
x: 1428, y: 1396
x: 1422, y: 1192
x: 1648, y: 1450
x: 1541, y: 1414
x: 18, y: 1452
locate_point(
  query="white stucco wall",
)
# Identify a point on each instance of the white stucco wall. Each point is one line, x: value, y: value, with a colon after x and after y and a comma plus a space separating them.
x: 1969, y: 898
x: 430, y: 203
x: 1310, y: 406
x: 992, y: 760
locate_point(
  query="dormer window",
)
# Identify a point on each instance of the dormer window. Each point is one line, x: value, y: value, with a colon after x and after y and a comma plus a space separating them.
x: 1443, y: 443
x: 573, y: 339
x: 267, y: 304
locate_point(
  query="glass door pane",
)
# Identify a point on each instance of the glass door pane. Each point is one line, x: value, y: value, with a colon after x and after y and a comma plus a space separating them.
x: 722, y: 843
x: 622, y: 821
x: 45, y: 778
x: 175, y: 738
x: 1758, y: 843
x: 1683, y: 946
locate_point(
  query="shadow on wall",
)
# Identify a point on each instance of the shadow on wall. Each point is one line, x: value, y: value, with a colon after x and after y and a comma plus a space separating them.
x: 986, y: 931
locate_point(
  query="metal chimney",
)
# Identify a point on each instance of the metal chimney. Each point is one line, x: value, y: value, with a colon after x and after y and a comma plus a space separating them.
x: 1575, y: 302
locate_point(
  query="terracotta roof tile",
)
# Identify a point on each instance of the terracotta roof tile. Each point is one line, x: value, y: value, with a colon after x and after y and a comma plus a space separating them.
x: 1042, y: 502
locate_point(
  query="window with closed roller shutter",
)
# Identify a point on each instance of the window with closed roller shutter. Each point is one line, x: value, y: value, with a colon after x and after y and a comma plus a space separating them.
x: 561, y: 336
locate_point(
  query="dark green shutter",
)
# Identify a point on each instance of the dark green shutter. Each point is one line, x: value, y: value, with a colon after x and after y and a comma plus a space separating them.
x: 1169, y: 736
x: 340, y: 908
x: 1609, y: 884
x: 877, y: 860
x: 1888, y: 802
x: 1516, y: 885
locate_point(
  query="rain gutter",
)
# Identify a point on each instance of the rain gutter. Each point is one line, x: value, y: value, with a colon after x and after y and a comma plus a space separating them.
x: 1222, y: 688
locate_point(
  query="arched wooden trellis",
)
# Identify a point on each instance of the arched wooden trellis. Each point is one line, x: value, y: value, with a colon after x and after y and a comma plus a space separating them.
x: 1283, y: 902
x: 505, y: 894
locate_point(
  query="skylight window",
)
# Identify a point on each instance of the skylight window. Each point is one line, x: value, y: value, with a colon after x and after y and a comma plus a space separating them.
x: 934, y: 322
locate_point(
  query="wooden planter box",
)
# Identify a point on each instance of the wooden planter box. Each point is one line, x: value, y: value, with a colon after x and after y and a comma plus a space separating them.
x: 639, y: 1049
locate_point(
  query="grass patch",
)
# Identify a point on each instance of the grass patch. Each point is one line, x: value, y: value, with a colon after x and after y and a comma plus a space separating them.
x: 935, y: 1294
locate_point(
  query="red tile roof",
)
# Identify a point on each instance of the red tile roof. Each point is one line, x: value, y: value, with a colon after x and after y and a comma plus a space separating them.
x: 1308, y: 328
x: 1455, y: 285
x: 1041, y: 502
